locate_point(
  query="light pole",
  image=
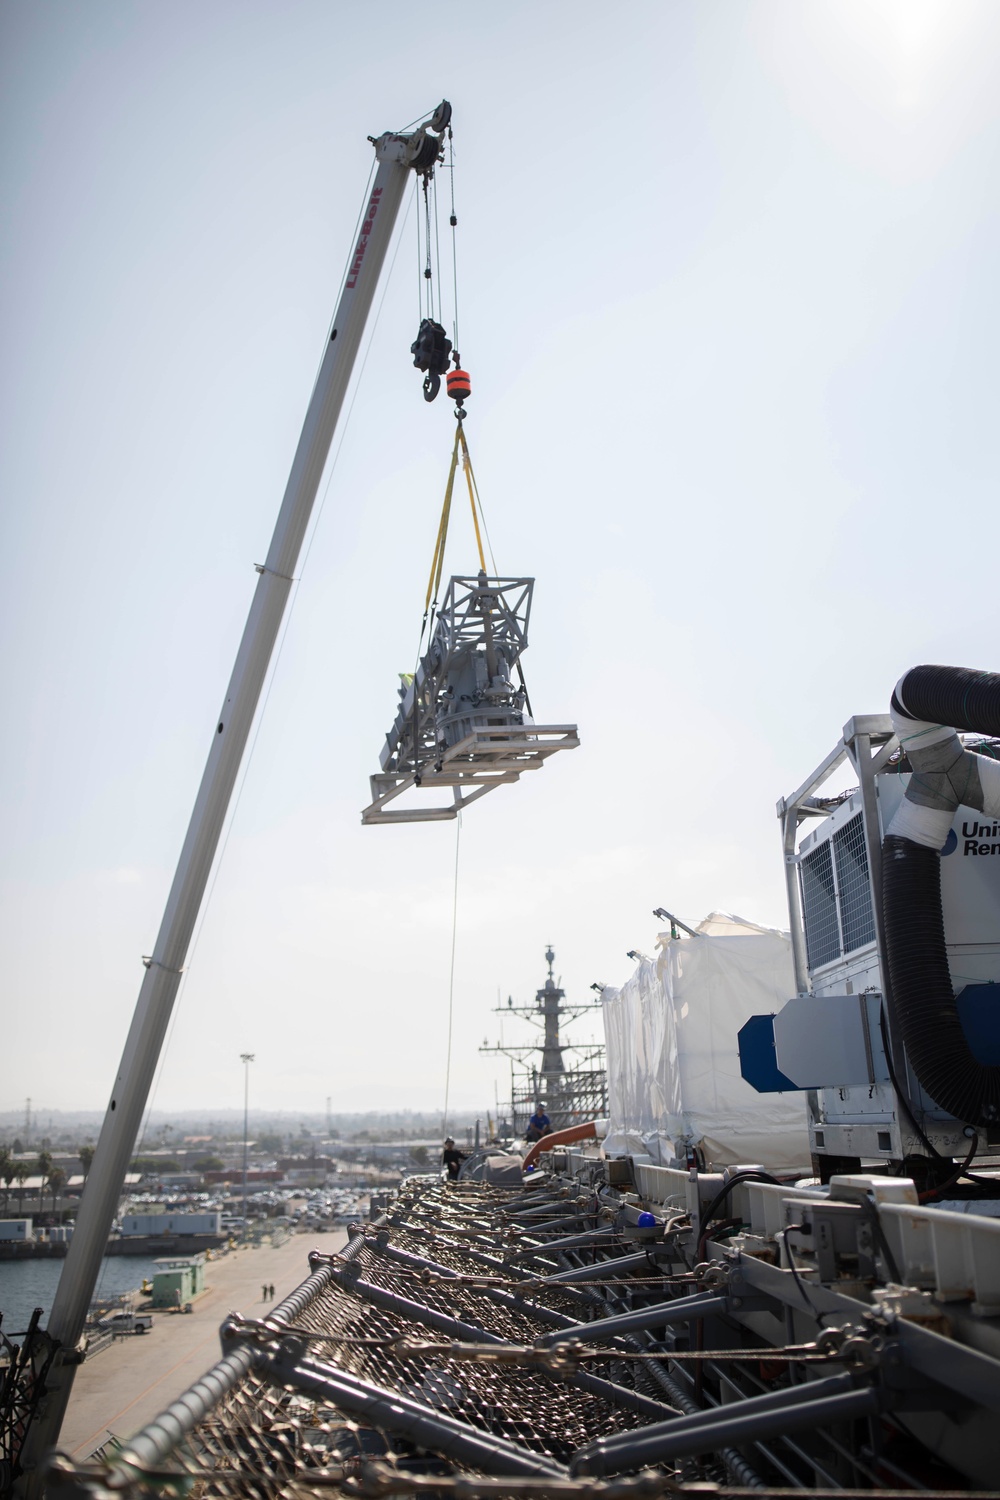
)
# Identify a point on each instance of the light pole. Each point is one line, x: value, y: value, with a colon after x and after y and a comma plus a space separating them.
x: 246, y: 1058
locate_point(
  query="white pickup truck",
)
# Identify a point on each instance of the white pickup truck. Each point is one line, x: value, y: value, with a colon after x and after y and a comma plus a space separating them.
x: 126, y: 1322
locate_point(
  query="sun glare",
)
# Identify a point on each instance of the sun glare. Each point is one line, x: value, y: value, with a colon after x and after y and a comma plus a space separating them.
x: 910, y: 41
x: 896, y: 86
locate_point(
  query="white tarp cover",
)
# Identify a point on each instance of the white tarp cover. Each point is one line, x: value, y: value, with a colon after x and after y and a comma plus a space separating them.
x: 673, y: 1058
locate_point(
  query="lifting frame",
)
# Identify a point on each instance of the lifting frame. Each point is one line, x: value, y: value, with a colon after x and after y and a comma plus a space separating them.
x: 461, y: 722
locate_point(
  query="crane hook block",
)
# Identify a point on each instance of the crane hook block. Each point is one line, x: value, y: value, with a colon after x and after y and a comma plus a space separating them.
x: 459, y: 385
x: 430, y: 350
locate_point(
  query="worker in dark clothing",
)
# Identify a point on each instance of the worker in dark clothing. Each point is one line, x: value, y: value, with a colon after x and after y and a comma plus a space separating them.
x: 538, y: 1125
x: 452, y: 1159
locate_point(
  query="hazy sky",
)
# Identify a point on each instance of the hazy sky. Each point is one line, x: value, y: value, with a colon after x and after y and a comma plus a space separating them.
x: 729, y: 297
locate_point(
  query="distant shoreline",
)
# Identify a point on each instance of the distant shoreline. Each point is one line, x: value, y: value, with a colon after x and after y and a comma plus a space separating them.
x: 133, y: 1244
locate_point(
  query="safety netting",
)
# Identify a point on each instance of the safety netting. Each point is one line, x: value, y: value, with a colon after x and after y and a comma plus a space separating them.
x: 413, y: 1358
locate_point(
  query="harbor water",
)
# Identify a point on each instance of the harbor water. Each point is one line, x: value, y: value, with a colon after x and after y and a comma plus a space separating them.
x: 27, y: 1284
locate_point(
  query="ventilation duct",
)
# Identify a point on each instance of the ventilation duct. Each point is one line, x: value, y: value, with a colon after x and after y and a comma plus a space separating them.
x: 929, y: 705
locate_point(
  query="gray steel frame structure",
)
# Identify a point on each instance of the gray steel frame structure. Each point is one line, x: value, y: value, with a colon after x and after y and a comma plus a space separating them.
x: 578, y: 1094
x: 868, y: 742
x: 461, y: 724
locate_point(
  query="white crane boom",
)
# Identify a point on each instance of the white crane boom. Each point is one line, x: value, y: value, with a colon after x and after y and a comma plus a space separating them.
x: 397, y: 156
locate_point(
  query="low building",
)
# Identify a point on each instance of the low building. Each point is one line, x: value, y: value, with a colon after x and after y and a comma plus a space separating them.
x: 235, y: 1174
x: 167, y: 1223
x: 177, y: 1279
x: 17, y: 1229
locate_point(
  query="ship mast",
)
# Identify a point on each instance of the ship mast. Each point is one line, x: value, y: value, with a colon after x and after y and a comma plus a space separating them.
x: 570, y: 1094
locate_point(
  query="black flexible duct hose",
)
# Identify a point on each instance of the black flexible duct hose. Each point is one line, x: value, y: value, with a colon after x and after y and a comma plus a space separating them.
x: 912, y: 919
x: 960, y: 697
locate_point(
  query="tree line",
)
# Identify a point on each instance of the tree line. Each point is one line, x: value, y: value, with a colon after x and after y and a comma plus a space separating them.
x: 19, y: 1169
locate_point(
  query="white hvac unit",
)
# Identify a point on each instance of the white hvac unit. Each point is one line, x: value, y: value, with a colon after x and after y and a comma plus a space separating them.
x: 841, y: 1038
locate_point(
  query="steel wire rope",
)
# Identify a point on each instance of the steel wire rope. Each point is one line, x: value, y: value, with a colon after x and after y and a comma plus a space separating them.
x: 427, y: 115
x: 453, y: 221
x: 272, y: 673
x: 428, y: 268
x: 402, y: 1346
x: 538, y: 1283
x: 271, y: 676
x: 420, y: 264
x: 451, y: 979
x: 475, y: 499
x: 437, y: 244
x: 474, y: 495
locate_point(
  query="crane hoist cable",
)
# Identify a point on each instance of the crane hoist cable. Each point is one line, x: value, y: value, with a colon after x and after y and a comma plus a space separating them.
x: 432, y: 349
x: 453, y: 222
x: 432, y: 346
x: 428, y: 267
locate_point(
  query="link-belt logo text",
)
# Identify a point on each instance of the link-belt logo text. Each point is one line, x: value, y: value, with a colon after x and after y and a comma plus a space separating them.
x: 366, y: 229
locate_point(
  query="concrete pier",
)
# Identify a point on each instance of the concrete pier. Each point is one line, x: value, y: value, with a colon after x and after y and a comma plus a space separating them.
x: 123, y: 1388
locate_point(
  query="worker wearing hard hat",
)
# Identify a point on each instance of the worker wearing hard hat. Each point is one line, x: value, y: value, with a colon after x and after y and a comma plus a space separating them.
x: 539, y: 1124
x: 452, y: 1159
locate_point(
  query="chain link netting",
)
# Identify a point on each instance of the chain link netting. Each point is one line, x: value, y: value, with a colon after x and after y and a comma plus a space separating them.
x: 443, y: 1266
